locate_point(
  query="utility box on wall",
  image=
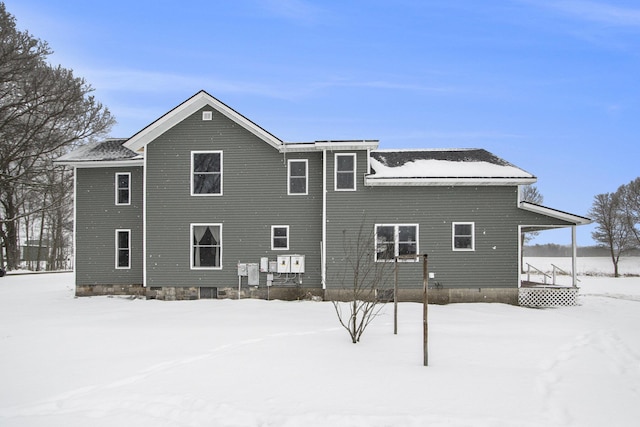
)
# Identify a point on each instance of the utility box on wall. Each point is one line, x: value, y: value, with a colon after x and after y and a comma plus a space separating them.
x: 284, y: 264
x: 297, y: 263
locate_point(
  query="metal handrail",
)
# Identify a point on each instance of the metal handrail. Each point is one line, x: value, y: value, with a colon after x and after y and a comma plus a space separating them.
x: 545, y: 275
x: 556, y: 268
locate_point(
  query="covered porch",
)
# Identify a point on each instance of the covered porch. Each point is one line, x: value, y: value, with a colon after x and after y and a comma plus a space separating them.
x: 540, y: 287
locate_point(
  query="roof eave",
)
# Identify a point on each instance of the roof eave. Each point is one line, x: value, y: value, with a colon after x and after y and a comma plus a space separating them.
x: 100, y: 163
x: 458, y: 181
x: 304, y: 147
x: 554, y: 213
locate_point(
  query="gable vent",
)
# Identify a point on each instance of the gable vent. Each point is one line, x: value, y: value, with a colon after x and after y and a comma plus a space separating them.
x: 207, y: 115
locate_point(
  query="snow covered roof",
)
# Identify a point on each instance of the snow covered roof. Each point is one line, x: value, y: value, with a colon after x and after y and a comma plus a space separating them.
x: 443, y: 167
x: 109, y: 150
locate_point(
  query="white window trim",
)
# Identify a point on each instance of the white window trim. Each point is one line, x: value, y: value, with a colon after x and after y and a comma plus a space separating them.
x: 273, y: 227
x: 473, y: 236
x: 396, y: 242
x: 205, y: 224
x: 118, y: 174
x: 335, y: 171
x: 306, y: 177
x: 118, y: 231
x: 193, y: 153
x: 207, y: 115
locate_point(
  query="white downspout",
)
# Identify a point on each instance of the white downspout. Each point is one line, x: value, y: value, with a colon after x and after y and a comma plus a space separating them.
x: 574, y: 256
x: 323, y: 243
x: 144, y: 219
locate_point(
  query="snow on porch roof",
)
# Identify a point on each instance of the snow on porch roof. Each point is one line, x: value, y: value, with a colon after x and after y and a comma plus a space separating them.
x: 109, y: 150
x: 443, y: 167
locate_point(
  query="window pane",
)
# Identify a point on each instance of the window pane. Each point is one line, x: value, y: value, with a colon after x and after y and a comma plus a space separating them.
x: 407, y: 233
x: 298, y: 169
x: 463, y: 230
x: 123, y: 258
x: 206, y: 162
x: 407, y: 249
x: 385, y: 242
x: 206, y: 246
x: 345, y: 163
x: 462, y: 242
x: 298, y: 185
x: 123, y: 240
x: 345, y: 180
x: 279, y: 232
x: 123, y: 181
x: 206, y: 184
x: 279, y: 242
x: 385, y: 233
x: 123, y: 196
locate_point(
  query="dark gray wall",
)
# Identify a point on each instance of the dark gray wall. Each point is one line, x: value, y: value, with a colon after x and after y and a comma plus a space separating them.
x: 254, y: 198
x: 97, y: 218
x: 493, y: 209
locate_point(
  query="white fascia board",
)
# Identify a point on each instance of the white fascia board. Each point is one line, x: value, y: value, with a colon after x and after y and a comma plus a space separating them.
x: 365, y: 144
x: 305, y: 147
x: 554, y: 213
x: 138, y: 141
x: 103, y: 163
x: 411, y: 182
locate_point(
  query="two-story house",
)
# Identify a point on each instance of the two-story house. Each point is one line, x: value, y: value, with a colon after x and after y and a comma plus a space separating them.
x: 204, y: 203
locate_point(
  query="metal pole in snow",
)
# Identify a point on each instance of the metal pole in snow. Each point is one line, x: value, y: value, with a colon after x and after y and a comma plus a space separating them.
x: 395, y: 299
x: 425, y: 303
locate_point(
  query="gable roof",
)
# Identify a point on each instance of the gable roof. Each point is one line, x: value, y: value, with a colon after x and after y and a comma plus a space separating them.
x: 138, y: 141
x: 443, y: 167
x: 110, y: 151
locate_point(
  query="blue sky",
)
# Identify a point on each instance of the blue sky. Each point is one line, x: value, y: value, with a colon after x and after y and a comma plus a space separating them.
x: 552, y: 86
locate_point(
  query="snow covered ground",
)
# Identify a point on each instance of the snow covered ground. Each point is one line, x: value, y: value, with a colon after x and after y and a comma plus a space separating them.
x: 103, y: 361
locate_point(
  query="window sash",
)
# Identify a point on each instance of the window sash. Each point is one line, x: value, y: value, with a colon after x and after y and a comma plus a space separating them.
x: 123, y: 188
x: 298, y: 177
x: 345, y: 172
x: 463, y: 236
x: 123, y: 249
x: 206, y: 246
x: 392, y: 240
x: 206, y: 173
x: 280, y: 237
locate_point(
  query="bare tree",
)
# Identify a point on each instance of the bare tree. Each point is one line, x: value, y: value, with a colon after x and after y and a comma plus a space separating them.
x: 612, y: 231
x: 629, y: 195
x: 44, y: 110
x: 529, y: 193
x: 364, y: 284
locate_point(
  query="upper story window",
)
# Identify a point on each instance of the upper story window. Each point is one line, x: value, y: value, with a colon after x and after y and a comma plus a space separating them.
x: 279, y: 237
x: 123, y: 249
x: 345, y: 172
x: 463, y: 236
x: 396, y: 240
x: 297, y: 177
x: 123, y: 188
x: 206, y: 246
x: 206, y: 172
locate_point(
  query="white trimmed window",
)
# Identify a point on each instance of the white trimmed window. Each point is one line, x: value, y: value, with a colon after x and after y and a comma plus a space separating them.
x: 206, y: 246
x: 279, y: 237
x: 206, y: 173
x: 123, y: 249
x: 123, y: 188
x: 297, y: 177
x: 345, y: 172
x: 394, y: 240
x: 463, y: 236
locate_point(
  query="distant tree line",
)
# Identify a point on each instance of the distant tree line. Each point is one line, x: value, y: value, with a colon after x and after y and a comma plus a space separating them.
x: 618, y: 217
x: 44, y: 111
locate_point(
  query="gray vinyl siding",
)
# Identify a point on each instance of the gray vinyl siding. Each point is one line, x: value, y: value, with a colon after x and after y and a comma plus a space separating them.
x: 493, y: 210
x: 254, y: 198
x: 97, y: 218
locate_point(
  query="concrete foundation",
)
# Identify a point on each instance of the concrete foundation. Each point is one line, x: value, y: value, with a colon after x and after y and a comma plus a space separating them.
x: 292, y: 293
x: 103, y: 290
